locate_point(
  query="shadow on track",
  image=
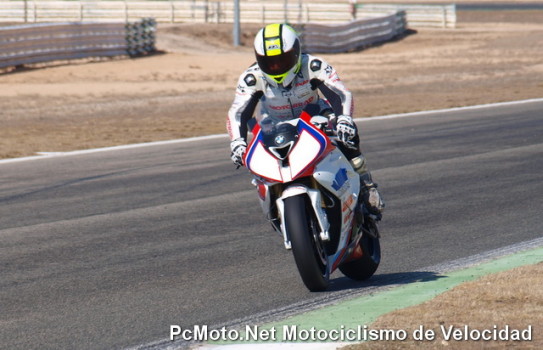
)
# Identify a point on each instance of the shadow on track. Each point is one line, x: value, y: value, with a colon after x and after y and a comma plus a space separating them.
x: 382, y: 280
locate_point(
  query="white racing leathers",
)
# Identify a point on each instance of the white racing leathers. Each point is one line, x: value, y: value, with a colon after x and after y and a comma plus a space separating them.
x: 287, y: 103
x: 315, y: 76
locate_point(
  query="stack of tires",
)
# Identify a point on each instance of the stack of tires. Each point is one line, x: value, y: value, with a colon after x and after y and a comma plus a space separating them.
x: 140, y: 37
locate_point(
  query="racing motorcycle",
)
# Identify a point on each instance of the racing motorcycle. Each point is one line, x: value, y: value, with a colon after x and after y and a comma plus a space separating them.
x: 309, y: 192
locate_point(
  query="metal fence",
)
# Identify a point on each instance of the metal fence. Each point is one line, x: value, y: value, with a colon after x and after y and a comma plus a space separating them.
x: 352, y: 35
x: 215, y: 11
x: 443, y: 16
x: 45, y: 42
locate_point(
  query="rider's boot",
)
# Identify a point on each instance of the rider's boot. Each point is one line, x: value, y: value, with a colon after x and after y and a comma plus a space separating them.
x: 368, y: 189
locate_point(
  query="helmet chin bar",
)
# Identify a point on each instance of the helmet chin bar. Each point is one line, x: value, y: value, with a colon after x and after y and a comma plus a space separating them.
x: 287, y: 80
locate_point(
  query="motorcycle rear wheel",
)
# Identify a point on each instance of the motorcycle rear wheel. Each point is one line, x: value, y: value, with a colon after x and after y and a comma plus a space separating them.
x: 307, y: 248
x: 365, y: 267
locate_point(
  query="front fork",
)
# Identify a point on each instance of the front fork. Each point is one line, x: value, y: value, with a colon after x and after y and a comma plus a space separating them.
x: 315, y: 200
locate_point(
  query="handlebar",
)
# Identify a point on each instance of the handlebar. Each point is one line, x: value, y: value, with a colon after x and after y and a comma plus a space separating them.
x: 323, y: 124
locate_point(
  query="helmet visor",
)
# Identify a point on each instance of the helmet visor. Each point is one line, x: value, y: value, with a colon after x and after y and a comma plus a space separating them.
x: 279, y: 64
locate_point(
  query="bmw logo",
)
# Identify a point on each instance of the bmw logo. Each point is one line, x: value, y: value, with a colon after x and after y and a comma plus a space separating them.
x: 279, y: 140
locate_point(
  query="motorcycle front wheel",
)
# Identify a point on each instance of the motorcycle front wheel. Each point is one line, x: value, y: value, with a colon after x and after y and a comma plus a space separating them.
x: 307, y: 248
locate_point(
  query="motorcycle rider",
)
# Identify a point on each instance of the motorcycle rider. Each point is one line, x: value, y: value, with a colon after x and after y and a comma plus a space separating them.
x: 285, y: 81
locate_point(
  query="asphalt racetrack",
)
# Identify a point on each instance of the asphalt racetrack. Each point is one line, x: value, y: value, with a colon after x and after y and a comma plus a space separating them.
x: 108, y: 249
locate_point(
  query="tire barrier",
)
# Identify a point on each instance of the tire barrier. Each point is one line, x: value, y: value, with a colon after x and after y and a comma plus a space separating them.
x: 140, y: 37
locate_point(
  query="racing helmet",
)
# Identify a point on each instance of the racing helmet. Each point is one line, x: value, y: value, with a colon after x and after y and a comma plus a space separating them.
x: 278, y: 53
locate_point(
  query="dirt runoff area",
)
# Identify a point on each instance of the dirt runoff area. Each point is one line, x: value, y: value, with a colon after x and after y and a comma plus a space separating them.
x: 186, y: 90
x: 489, y: 308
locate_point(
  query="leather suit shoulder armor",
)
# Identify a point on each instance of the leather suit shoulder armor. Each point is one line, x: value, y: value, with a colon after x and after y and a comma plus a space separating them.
x: 315, y: 65
x: 250, y: 79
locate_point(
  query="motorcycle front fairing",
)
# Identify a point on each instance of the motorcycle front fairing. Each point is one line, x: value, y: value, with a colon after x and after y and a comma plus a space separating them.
x: 282, y: 152
x: 298, y: 161
x: 310, y: 155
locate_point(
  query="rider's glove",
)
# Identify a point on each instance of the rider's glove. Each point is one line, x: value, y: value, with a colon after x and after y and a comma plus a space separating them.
x: 345, y: 129
x: 238, y: 147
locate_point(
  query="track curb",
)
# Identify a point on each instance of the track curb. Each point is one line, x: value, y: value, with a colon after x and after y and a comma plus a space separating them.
x: 359, y: 312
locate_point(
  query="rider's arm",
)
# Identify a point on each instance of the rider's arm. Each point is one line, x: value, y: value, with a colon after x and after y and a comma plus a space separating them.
x: 247, y: 96
x: 326, y: 79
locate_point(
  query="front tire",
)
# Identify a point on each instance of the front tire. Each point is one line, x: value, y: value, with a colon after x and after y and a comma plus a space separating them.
x: 307, y: 248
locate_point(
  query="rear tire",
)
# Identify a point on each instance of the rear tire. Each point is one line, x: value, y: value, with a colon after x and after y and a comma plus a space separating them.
x: 307, y: 248
x: 365, y: 267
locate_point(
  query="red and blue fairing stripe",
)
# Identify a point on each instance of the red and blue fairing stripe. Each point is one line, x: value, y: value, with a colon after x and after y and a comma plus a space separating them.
x: 304, y: 126
x: 324, y: 142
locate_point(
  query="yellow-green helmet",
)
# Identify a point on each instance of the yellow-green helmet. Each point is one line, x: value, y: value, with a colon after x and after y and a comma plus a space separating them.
x: 278, y: 53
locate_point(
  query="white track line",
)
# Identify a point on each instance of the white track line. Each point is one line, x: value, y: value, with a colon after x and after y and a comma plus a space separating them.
x: 446, y: 110
x: 43, y: 155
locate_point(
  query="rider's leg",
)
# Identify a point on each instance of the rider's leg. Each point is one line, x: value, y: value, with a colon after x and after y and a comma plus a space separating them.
x: 368, y: 189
